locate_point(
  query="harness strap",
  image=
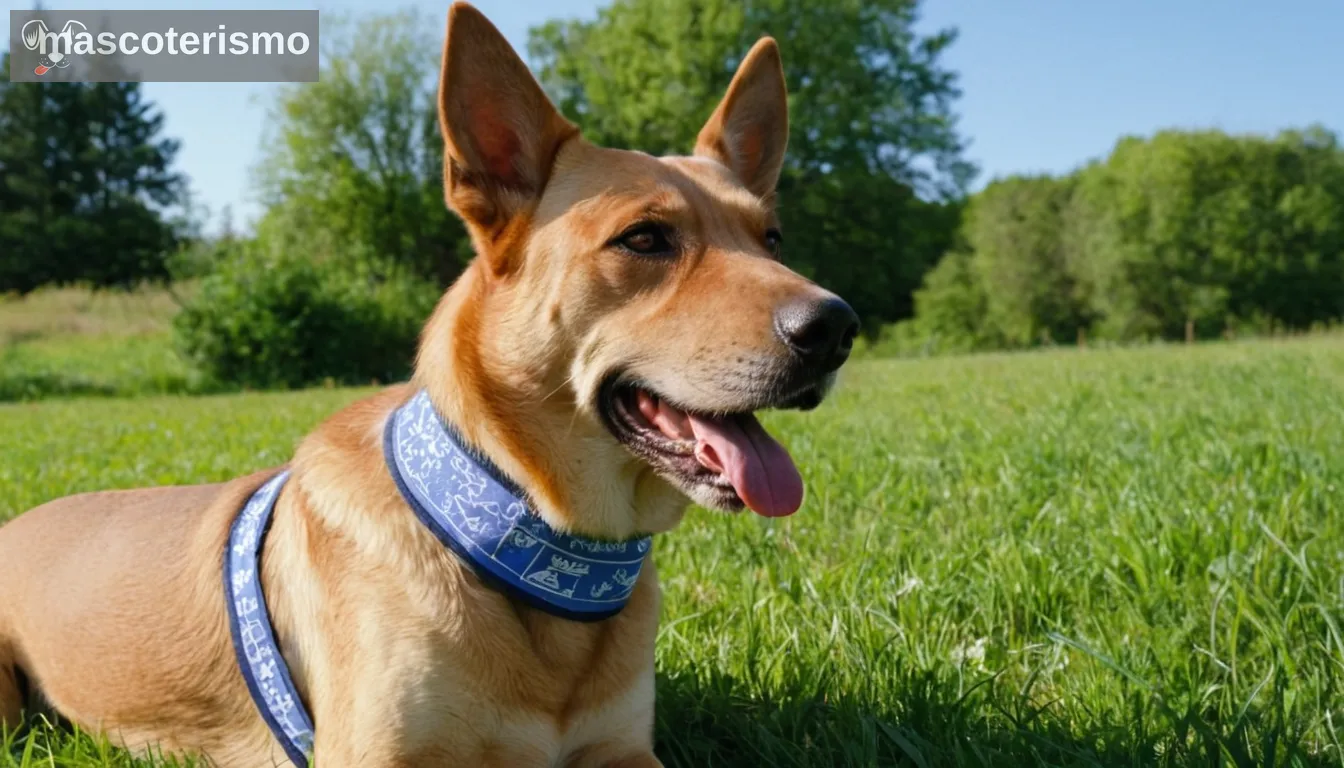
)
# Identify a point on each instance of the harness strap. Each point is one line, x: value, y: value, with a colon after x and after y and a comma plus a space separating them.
x: 474, y: 510
x: 259, y: 658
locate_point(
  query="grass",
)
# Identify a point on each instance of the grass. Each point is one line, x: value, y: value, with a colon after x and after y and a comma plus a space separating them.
x: 78, y: 311
x: 73, y: 341
x: 1126, y: 557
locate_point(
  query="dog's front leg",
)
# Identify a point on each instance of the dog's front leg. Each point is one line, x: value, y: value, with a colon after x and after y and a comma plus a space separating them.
x: 611, y: 758
x: 328, y: 755
x: 646, y: 760
x: 379, y: 750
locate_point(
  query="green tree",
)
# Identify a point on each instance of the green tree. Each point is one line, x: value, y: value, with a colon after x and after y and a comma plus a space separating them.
x: 354, y: 166
x: 1211, y: 229
x: 132, y: 183
x: 85, y: 180
x: 874, y: 155
x: 1198, y: 230
x: 1009, y: 282
x: 1015, y: 229
x: 951, y: 308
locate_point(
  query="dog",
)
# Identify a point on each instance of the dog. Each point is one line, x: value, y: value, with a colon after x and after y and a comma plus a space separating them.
x: 596, y: 367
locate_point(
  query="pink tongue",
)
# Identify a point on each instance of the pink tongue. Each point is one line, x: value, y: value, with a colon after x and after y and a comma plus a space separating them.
x: 759, y: 468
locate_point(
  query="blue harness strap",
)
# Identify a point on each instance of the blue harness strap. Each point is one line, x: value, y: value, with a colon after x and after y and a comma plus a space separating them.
x: 259, y: 658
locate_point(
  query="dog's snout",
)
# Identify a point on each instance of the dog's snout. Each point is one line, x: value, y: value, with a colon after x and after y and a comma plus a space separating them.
x: 820, y: 332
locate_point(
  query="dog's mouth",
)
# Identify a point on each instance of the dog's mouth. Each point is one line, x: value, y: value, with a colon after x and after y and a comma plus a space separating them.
x: 721, y: 460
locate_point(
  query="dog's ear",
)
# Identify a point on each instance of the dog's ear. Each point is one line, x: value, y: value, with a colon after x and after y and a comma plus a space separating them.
x: 500, y: 131
x: 749, y: 130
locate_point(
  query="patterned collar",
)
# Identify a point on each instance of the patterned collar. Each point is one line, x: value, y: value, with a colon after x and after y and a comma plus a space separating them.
x: 478, y: 513
x: 474, y: 510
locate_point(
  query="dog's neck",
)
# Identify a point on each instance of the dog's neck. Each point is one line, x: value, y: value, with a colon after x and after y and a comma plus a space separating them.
x: 524, y: 418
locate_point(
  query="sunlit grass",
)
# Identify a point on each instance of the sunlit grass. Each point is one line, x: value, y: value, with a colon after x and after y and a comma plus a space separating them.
x: 74, y: 341
x: 79, y: 311
x: 1098, y: 558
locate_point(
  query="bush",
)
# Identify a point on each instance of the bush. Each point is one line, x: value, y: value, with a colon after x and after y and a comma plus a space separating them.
x: 265, y: 319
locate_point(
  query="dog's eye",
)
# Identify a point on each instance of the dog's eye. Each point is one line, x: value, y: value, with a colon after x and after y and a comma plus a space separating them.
x: 774, y: 241
x: 646, y: 240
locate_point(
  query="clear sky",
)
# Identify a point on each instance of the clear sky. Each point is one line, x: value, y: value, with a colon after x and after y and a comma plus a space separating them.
x: 1048, y: 84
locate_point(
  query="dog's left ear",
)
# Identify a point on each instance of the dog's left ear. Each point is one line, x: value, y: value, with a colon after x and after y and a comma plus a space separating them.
x: 500, y: 131
x: 749, y: 130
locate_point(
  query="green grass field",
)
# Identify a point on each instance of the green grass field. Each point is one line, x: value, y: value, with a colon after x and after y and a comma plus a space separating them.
x: 1064, y: 558
x: 71, y: 341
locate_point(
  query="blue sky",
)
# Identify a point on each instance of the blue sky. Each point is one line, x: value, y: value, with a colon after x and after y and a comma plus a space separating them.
x: 1048, y: 84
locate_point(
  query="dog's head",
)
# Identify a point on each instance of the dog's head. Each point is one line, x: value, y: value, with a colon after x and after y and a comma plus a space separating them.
x: 646, y: 293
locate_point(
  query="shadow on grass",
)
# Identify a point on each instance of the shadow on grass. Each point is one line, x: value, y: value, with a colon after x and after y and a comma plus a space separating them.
x: 35, y: 386
x: 705, y: 720
x: 25, y: 386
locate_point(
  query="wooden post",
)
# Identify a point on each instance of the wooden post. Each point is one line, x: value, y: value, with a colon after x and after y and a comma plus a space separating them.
x: 1189, y: 331
x: 1082, y: 337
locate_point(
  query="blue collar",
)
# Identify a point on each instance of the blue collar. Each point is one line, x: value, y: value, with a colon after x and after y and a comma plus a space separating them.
x: 472, y: 509
x: 478, y: 513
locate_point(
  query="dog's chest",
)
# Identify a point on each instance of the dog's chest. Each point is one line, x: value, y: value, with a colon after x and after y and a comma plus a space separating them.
x: 477, y: 675
x: 569, y: 693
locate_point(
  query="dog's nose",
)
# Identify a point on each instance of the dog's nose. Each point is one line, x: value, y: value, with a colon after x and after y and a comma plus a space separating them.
x: 820, y: 332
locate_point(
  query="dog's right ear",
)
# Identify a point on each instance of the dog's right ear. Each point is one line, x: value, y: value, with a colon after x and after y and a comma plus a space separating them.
x: 500, y: 131
x: 749, y: 130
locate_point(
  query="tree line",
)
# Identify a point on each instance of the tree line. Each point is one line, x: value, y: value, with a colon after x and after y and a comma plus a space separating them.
x: 1187, y: 232
x: 352, y: 168
x: 870, y: 197
x: 1182, y: 229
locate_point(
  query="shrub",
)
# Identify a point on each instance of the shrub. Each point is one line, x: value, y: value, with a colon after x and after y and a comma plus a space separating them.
x: 266, y: 319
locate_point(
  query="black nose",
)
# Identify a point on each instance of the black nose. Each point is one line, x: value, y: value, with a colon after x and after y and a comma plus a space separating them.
x: 820, y: 332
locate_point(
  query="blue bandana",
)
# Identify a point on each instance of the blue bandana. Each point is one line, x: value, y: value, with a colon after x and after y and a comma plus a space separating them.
x: 259, y: 658
x: 483, y: 517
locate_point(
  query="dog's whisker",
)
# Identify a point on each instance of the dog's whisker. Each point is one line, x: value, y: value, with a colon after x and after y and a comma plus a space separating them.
x: 561, y: 386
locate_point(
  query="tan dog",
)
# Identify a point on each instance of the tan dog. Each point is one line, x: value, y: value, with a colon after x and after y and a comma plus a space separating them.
x: 624, y: 316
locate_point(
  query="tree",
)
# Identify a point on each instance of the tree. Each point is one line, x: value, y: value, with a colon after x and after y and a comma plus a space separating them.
x: 951, y: 307
x: 1015, y: 229
x: 85, y: 178
x: 1211, y: 229
x: 354, y: 168
x: 1008, y: 282
x: 874, y: 157
x: 130, y: 185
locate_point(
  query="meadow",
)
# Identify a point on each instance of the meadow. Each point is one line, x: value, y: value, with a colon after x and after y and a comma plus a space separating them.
x: 1101, y: 557
x: 73, y: 341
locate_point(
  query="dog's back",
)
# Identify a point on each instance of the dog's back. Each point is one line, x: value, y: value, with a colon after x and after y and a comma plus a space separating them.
x: 103, y: 592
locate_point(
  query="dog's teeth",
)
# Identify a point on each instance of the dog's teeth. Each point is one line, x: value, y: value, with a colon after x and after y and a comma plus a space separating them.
x: 648, y: 406
x: 674, y: 423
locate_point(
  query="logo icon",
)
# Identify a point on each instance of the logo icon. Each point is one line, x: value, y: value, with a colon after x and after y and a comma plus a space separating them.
x: 36, y: 31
